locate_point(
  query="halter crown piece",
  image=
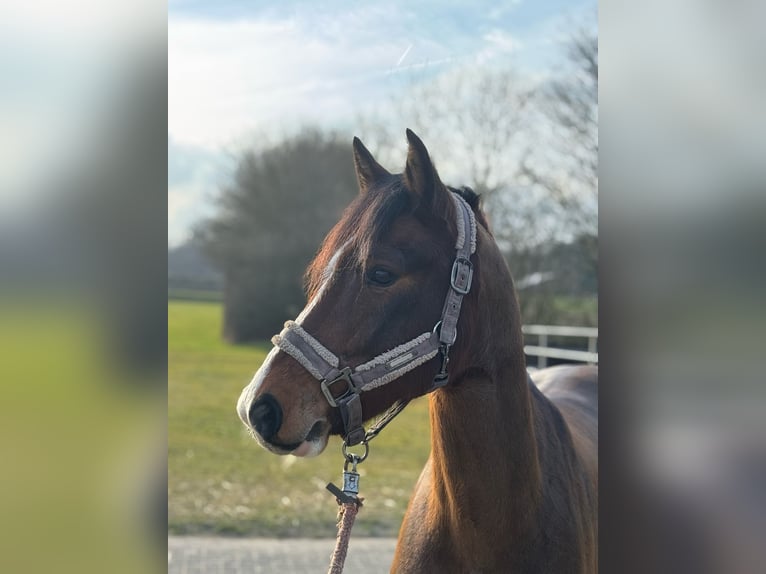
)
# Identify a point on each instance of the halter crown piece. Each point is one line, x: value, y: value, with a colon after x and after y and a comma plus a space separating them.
x: 388, y: 366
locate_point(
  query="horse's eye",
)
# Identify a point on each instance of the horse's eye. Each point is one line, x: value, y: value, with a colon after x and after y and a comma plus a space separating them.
x: 380, y: 277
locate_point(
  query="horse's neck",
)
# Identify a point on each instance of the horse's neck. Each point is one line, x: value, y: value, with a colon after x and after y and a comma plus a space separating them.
x: 483, y: 443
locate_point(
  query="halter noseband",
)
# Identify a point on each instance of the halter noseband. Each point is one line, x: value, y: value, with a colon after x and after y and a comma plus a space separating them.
x: 388, y: 366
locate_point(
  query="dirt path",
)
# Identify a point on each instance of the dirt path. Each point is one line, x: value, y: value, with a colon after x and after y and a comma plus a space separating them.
x: 197, y: 555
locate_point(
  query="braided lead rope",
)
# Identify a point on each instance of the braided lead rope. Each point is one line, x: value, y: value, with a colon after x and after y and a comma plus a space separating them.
x: 346, y: 516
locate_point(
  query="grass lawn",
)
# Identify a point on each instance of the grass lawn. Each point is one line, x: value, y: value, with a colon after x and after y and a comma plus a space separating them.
x: 179, y: 294
x: 221, y: 482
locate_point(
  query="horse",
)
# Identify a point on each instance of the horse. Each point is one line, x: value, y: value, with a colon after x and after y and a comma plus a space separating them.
x: 511, y: 481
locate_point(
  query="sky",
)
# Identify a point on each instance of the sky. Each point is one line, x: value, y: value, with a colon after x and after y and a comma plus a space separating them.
x: 244, y: 73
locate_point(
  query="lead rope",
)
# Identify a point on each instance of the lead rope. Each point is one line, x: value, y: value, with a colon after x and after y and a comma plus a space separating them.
x: 346, y: 516
x: 349, y: 503
x: 348, y: 499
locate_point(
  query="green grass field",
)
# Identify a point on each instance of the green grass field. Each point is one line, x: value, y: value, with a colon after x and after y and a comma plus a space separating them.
x: 221, y: 482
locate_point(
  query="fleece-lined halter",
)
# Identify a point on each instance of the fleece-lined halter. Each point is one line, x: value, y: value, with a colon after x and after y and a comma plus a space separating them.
x: 388, y: 366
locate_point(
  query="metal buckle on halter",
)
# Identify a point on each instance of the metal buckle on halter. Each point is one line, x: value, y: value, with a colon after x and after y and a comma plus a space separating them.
x: 442, y: 377
x: 462, y: 275
x: 345, y: 375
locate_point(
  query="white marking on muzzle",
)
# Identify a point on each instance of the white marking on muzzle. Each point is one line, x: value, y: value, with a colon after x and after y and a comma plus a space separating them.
x: 248, y: 393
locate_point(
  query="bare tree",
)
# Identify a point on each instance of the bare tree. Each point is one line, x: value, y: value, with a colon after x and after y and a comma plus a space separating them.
x: 563, y: 157
x: 530, y: 148
x: 475, y: 123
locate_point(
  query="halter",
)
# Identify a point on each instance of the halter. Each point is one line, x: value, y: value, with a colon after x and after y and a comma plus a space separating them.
x: 389, y: 366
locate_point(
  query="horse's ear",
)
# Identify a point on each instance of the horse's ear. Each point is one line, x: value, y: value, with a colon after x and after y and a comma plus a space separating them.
x: 368, y: 171
x: 421, y: 177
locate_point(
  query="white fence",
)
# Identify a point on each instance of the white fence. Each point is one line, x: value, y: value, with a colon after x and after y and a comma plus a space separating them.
x: 543, y: 352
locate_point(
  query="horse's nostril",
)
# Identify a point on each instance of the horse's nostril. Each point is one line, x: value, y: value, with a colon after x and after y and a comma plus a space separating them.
x: 266, y: 416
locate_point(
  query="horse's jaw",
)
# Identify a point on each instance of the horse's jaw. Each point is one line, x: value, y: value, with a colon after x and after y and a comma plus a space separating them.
x: 310, y: 448
x: 314, y: 443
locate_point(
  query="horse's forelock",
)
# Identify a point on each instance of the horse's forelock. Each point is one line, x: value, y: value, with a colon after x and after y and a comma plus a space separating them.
x: 365, y: 221
x: 384, y: 207
x: 315, y: 273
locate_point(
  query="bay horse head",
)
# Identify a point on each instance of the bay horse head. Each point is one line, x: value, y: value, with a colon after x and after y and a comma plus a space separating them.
x: 384, y: 294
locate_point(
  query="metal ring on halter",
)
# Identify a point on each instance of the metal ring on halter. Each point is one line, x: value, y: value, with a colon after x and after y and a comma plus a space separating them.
x: 350, y: 456
x: 437, y: 328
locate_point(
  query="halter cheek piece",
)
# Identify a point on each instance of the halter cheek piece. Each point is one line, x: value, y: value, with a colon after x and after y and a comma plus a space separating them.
x: 388, y: 366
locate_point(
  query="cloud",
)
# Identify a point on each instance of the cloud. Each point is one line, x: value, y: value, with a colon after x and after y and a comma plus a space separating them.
x: 502, y: 10
x: 267, y: 70
x: 228, y: 79
x: 498, y: 44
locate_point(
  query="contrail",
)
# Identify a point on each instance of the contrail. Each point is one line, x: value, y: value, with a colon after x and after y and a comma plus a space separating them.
x: 403, y: 56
